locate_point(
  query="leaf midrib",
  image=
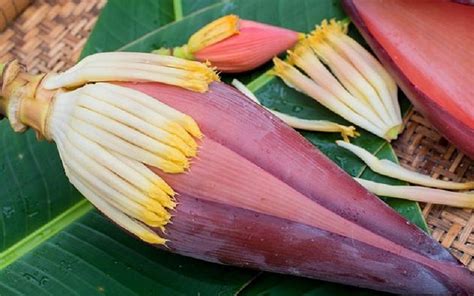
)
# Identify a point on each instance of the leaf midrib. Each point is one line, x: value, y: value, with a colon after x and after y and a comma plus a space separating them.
x: 43, y: 233
x: 178, y: 10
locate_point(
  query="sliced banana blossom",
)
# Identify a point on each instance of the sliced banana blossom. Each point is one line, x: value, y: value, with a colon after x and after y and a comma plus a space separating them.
x: 393, y: 170
x: 420, y: 194
x: 234, y: 45
x: 107, y: 135
x: 133, y: 66
x: 299, y: 123
x: 365, y: 93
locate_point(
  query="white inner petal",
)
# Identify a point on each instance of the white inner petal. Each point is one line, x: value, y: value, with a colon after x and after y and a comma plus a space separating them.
x: 104, y: 146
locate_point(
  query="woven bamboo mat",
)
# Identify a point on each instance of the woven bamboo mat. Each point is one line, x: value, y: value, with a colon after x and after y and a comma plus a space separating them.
x: 49, y: 36
x: 421, y: 148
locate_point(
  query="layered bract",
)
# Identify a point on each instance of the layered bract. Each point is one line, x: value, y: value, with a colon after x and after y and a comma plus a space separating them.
x: 427, y: 46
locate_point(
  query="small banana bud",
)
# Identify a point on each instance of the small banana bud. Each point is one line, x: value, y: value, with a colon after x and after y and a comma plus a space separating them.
x: 235, y: 45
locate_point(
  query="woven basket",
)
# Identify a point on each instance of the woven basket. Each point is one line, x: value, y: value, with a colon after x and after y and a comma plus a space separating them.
x: 50, y: 34
x: 10, y: 9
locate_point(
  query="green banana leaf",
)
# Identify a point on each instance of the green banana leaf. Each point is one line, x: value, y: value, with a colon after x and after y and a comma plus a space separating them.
x: 123, y: 21
x: 53, y: 242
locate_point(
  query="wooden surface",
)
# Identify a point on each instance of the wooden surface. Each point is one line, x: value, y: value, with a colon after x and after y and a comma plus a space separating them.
x: 49, y: 36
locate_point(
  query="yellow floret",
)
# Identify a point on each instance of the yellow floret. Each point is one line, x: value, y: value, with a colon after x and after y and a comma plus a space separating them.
x: 214, y: 32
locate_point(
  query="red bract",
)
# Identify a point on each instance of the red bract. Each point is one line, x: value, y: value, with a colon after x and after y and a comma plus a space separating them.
x: 255, y: 44
x: 259, y: 195
x: 234, y: 45
x: 428, y: 47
